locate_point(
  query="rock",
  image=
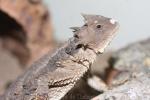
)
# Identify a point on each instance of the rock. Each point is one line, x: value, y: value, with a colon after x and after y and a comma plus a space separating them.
x: 132, y: 78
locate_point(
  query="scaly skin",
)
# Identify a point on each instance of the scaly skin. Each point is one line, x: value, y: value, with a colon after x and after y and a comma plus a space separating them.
x: 51, y: 77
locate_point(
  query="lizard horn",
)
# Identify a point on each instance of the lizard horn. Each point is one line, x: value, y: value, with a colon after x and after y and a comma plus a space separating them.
x: 89, y: 17
x: 86, y: 16
x: 75, y: 29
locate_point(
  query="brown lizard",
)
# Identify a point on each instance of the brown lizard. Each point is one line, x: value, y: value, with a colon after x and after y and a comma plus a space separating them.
x: 52, y: 76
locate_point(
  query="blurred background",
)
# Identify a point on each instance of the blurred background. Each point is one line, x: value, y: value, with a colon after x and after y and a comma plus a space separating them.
x: 31, y: 28
x: 131, y: 14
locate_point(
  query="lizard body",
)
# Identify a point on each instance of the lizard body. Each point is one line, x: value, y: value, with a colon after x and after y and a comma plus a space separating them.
x: 52, y: 76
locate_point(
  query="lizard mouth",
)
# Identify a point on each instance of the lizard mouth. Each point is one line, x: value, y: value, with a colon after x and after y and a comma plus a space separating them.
x: 102, y: 48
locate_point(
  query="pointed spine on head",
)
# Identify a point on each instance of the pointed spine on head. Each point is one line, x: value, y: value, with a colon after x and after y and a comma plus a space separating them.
x: 75, y: 29
x: 86, y: 16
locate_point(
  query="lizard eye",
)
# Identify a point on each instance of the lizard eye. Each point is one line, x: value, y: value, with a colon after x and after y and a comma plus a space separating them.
x: 98, y: 26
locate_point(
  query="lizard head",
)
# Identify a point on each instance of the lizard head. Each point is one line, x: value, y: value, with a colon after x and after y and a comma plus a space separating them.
x: 96, y: 33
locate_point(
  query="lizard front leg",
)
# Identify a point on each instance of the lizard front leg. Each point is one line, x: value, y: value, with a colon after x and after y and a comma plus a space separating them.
x: 54, y: 85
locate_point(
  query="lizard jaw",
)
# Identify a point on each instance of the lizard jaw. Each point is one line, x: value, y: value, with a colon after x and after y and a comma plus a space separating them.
x: 102, y: 49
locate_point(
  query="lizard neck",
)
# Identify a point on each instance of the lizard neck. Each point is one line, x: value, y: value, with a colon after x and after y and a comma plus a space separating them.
x: 79, y: 51
x: 72, y: 52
